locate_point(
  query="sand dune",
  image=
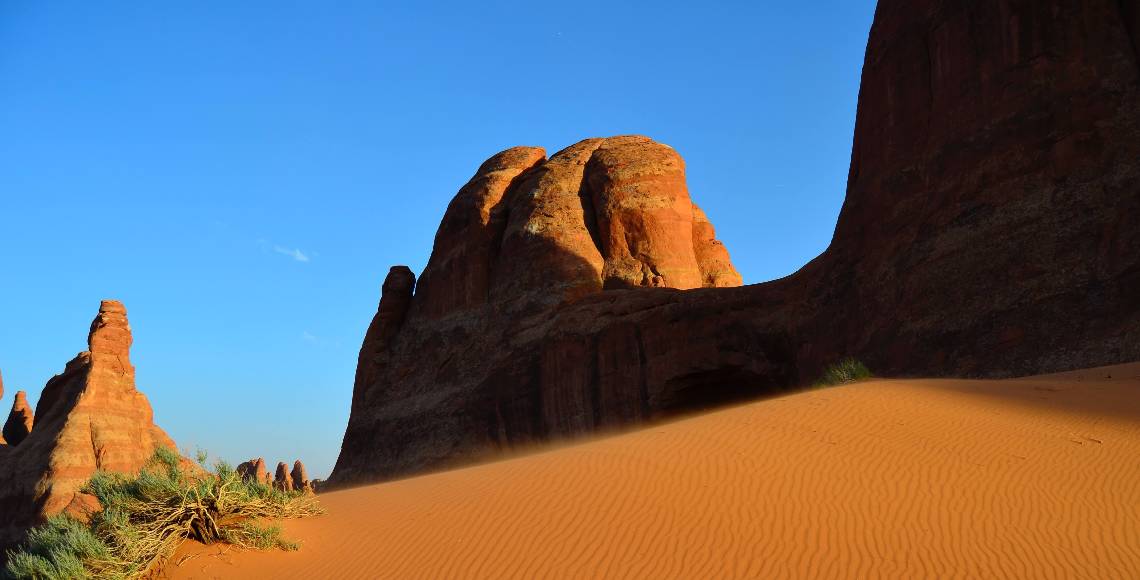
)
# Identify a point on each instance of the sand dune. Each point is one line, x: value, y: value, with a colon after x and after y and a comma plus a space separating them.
x: 897, y: 478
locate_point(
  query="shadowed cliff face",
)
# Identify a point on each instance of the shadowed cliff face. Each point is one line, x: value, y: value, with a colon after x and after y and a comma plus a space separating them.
x: 994, y: 174
x: 20, y: 420
x: 988, y: 230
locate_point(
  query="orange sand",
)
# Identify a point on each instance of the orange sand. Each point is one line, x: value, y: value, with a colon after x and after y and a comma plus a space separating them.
x: 897, y: 478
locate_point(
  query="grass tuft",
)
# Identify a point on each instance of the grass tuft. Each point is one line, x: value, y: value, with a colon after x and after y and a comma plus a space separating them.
x: 260, y: 537
x: 848, y: 370
x: 145, y: 517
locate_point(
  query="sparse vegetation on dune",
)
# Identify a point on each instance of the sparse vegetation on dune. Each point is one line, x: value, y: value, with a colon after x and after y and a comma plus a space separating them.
x: 848, y: 370
x: 145, y: 517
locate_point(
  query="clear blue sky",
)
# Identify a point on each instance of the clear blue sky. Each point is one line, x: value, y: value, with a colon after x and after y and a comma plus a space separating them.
x: 242, y: 174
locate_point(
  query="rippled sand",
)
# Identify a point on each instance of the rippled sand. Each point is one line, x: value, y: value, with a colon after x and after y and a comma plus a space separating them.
x: 1020, y: 478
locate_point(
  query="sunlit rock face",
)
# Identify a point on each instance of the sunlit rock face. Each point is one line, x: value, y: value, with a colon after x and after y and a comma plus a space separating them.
x: 90, y: 417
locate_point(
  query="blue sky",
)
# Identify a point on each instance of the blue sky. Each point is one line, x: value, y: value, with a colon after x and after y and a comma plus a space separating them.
x: 242, y: 175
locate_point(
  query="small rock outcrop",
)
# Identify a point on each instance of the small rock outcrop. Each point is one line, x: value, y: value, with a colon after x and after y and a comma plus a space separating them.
x: 255, y: 471
x: 301, y: 478
x: 988, y: 230
x: 283, y: 480
x: 20, y: 420
x: 90, y: 417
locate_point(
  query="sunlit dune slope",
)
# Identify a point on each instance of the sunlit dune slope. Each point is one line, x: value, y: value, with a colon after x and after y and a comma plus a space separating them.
x: 898, y: 478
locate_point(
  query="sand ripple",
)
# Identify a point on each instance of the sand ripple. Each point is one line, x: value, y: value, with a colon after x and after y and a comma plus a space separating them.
x: 1028, y: 478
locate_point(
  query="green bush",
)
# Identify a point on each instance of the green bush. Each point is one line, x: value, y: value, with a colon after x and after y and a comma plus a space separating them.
x: 145, y: 517
x: 848, y: 370
x: 57, y: 549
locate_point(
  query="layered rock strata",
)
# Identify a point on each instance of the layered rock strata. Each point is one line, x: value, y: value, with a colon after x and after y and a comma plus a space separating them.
x: 90, y: 417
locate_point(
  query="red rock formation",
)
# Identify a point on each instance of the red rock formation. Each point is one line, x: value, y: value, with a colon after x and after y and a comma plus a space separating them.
x: 643, y: 213
x: 254, y: 470
x: 395, y: 299
x: 988, y: 230
x: 610, y: 213
x: 547, y: 254
x: 993, y: 180
x: 301, y: 478
x: 89, y: 417
x: 283, y: 480
x: 467, y: 243
x: 712, y: 257
x: 20, y: 420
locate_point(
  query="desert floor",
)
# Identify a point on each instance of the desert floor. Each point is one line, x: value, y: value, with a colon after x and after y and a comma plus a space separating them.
x: 1036, y: 477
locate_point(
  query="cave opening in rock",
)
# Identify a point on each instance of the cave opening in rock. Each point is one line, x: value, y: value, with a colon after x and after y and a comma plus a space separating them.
x: 714, y: 388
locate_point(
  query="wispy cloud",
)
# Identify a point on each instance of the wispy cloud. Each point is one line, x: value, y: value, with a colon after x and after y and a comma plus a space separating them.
x: 294, y: 253
x: 319, y: 340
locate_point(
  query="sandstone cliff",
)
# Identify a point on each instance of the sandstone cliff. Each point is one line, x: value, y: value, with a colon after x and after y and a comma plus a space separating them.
x: 988, y: 230
x: 89, y: 417
x: 3, y: 442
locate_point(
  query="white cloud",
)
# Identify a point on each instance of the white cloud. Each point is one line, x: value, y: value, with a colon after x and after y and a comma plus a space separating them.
x: 319, y: 341
x: 295, y: 253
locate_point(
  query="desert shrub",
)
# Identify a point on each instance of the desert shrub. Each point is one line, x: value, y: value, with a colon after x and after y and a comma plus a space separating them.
x: 848, y: 370
x: 146, y: 516
x: 256, y: 536
x: 57, y: 549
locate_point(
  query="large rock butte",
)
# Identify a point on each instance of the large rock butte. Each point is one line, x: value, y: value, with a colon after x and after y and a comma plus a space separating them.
x: 989, y: 229
x: 89, y: 417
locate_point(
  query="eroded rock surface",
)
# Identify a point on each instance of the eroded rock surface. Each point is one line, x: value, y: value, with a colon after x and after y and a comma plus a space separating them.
x: 89, y: 417
x: 255, y: 471
x: 283, y: 480
x: 988, y: 230
x: 20, y: 420
x: 535, y: 235
x: 301, y: 477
